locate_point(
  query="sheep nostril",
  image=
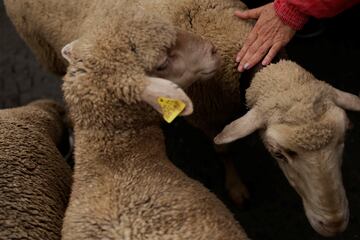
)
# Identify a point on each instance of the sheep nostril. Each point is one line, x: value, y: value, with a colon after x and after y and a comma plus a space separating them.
x: 213, y: 50
x: 331, y: 224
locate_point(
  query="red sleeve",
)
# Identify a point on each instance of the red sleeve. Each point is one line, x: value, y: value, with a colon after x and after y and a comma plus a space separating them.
x: 295, y: 13
x: 322, y: 8
x: 290, y: 15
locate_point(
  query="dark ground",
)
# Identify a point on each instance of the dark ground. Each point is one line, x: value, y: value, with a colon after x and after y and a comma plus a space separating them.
x: 274, y: 211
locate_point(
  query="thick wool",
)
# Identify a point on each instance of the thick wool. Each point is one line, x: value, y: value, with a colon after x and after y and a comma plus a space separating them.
x: 217, y: 101
x: 49, y: 25
x: 124, y: 185
x: 293, y: 96
x: 126, y: 188
x: 34, y: 178
x: 115, y: 37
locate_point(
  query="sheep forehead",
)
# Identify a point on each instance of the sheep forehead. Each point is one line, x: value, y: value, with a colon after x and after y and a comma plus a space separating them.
x: 313, y: 128
x: 306, y: 111
x: 141, y: 40
x: 284, y: 84
x: 312, y: 136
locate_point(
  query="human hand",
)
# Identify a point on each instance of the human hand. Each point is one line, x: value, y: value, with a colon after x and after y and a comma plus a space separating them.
x: 267, y: 37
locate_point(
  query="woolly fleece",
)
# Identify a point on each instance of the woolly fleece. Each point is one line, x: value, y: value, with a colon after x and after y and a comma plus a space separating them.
x: 34, y: 178
x: 289, y: 94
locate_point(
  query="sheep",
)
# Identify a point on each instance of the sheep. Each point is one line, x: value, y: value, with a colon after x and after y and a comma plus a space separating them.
x: 124, y: 186
x: 303, y: 124
x: 48, y: 28
x: 34, y: 178
x: 216, y: 101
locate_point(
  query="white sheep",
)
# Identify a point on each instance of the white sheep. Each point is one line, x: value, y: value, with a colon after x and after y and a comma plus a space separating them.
x: 219, y: 99
x: 303, y: 124
x: 34, y: 178
x: 125, y: 187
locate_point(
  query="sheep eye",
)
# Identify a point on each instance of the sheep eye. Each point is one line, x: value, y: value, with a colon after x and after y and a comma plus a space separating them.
x: 163, y: 65
x: 291, y: 153
x: 278, y: 155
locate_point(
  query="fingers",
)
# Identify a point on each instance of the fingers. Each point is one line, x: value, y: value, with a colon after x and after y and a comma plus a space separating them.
x: 267, y: 37
x: 249, y: 41
x: 271, y: 54
x: 249, y: 14
x: 254, y: 55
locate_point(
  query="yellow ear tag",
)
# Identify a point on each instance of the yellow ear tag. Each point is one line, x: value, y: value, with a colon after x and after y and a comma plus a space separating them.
x: 170, y: 108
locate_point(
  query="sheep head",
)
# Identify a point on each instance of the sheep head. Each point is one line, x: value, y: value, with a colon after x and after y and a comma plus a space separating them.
x: 305, y: 132
x: 190, y: 59
x: 119, y: 67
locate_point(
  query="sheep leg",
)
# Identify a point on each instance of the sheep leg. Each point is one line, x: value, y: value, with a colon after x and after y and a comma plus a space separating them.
x: 236, y: 189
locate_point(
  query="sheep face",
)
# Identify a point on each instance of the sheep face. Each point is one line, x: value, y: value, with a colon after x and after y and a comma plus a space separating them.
x: 190, y: 59
x: 111, y: 71
x: 308, y: 149
x: 310, y: 157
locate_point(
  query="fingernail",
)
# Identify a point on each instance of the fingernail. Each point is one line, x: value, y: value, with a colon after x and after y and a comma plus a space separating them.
x: 264, y: 63
x: 237, y: 59
x: 240, y: 68
x: 246, y: 66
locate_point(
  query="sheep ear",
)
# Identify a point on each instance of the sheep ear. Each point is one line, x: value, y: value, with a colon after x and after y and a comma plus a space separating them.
x: 68, y: 53
x: 346, y: 100
x: 241, y: 127
x: 159, y: 87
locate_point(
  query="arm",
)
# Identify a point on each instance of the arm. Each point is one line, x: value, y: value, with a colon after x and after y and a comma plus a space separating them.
x: 277, y: 23
x: 295, y: 13
x: 321, y: 8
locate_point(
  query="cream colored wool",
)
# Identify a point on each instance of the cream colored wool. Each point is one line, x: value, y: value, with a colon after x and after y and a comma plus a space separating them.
x: 216, y: 102
x: 293, y: 96
x: 124, y: 185
x: 48, y: 26
x: 34, y: 178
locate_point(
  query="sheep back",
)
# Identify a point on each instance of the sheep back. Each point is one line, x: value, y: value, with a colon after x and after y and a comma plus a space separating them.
x: 34, y: 178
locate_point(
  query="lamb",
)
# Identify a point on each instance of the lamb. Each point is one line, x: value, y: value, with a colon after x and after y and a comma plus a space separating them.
x: 124, y: 185
x: 34, y: 178
x: 303, y: 124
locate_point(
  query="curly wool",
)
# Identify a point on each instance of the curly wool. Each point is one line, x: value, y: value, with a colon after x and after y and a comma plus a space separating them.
x: 287, y: 93
x: 124, y: 187
x: 121, y: 44
x: 48, y: 28
x: 34, y: 178
x: 124, y: 184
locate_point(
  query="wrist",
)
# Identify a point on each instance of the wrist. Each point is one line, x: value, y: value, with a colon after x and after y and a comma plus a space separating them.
x: 290, y: 15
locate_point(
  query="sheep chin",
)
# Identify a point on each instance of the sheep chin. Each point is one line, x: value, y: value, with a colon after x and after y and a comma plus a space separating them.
x: 315, y: 220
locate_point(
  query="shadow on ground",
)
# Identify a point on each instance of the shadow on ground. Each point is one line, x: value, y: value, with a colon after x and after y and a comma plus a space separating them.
x: 274, y: 211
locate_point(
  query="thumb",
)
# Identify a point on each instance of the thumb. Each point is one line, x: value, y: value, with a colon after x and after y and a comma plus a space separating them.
x: 252, y: 13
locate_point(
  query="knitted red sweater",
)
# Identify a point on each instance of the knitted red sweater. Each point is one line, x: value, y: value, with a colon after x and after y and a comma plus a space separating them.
x: 296, y: 13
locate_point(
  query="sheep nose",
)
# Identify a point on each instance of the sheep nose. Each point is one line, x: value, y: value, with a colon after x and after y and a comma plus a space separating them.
x: 332, y: 224
x: 336, y: 223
